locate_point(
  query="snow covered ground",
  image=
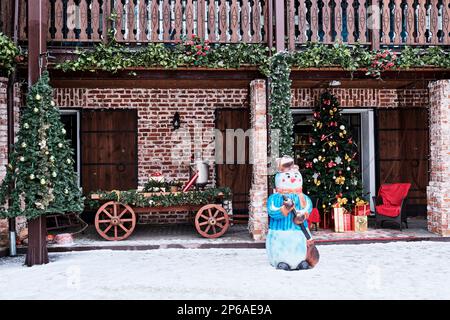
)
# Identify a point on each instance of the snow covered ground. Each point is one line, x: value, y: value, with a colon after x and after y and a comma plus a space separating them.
x: 401, y: 270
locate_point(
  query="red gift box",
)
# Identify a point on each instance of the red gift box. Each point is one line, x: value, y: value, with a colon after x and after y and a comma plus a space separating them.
x: 348, y: 222
x: 362, y: 210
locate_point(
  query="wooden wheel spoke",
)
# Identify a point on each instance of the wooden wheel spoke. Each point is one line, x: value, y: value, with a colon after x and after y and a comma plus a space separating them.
x: 204, y: 217
x: 214, y: 229
x: 123, y: 228
x: 107, y: 213
x: 107, y: 229
x: 126, y: 220
x: 220, y: 219
x: 123, y: 212
x: 104, y: 221
x: 115, y: 231
x: 220, y: 225
x: 203, y: 223
x: 207, y: 228
x: 216, y: 213
x: 115, y: 207
x: 210, y: 213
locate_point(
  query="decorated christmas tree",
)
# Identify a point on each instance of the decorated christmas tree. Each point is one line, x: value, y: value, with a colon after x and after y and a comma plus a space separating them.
x: 330, y: 167
x: 40, y: 178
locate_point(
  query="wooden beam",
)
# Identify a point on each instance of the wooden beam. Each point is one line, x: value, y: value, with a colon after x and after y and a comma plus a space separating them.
x: 279, y: 25
x: 37, y: 37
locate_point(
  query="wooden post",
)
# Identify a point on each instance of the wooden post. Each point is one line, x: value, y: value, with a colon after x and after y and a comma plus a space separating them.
x: 279, y: 25
x: 37, y: 46
x: 375, y: 28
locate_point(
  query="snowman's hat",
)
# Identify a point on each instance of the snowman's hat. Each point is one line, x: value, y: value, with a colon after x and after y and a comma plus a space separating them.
x: 285, y: 164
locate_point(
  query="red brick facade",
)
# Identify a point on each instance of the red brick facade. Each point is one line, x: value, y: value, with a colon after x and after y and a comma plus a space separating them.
x: 438, y: 191
x: 364, y: 98
x: 156, y: 140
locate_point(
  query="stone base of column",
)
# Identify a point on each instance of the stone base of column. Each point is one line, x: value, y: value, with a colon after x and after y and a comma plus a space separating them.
x: 438, y: 195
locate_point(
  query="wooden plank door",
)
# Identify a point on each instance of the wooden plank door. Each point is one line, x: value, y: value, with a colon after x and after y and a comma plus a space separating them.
x: 109, y: 153
x: 233, y: 175
x: 403, y: 152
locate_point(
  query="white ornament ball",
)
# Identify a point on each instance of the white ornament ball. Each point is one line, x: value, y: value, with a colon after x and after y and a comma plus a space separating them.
x: 24, y: 145
x: 22, y: 159
x: 35, y: 110
x: 38, y: 97
x: 54, y: 174
x: 32, y: 176
x: 63, y: 131
x: 315, y: 160
x: 346, y: 188
x: 342, y: 127
x: 313, y: 143
x: 42, y: 181
x: 60, y: 145
x: 348, y: 169
x: 323, y: 150
x: 334, y: 177
x: 26, y: 125
x: 52, y: 103
x: 68, y: 161
x: 66, y: 191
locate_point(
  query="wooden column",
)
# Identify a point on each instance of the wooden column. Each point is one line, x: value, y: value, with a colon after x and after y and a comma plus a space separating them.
x: 37, y: 45
x: 279, y: 25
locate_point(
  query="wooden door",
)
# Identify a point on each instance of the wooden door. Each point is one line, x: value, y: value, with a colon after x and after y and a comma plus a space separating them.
x: 232, y: 174
x: 403, y: 152
x: 109, y: 153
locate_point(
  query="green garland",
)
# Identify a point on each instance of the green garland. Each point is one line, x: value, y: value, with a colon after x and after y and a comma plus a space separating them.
x: 137, y: 198
x: 280, y: 103
x: 8, y: 53
x: 193, y: 52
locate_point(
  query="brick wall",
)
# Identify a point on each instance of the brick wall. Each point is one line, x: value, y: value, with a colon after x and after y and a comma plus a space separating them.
x: 4, y: 143
x: 438, y: 191
x: 159, y: 148
x: 364, y: 98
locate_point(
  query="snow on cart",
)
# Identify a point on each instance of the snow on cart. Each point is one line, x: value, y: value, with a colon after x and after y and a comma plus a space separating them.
x: 118, y: 210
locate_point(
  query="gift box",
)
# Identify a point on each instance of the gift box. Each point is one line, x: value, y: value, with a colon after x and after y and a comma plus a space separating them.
x: 348, y: 222
x: 362, y: 210
x: 338, y: 219
x: 359, y: 223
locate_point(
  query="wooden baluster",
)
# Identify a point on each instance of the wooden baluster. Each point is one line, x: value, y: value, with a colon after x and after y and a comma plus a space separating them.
x: 410, y: 18
x: 178, y: 20
x: 386, y: 20
x: 422, y: 24
x: 212, y: 34
x: 120, y: 20
x: 234, y: 21
x: 58, y: 20
x: 265, y: 21
x: 141, y: 36
x: 446, y: 23
x: 314, y: 21
x: 83, y: 19
x: 131, y: 17
x: 362, y: 22
x: 154, y: 16
x: 302, y: 23
x: 338, y: 20
x: 398, y: 22
x: 165, y: 7
x: 350, y: 22
x: 95, y: 19
x: 245, y: 21
x: 434, y: 26
x: 257, y: 12
x: 223, y: 18
x: 201, y: 18
x: 71, y: 20
x: 189, y: 16
x: 291, y: 24
x: 326, y: 21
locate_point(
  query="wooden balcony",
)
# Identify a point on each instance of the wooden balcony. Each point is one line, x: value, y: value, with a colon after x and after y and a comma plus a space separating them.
x: 376, y: 23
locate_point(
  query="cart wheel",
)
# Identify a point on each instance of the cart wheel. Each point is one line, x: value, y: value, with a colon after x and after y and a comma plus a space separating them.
x: 115, y: 221
x: 212, y: 221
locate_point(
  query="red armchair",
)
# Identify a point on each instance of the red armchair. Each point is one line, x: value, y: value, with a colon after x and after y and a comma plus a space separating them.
x: 390, y: 204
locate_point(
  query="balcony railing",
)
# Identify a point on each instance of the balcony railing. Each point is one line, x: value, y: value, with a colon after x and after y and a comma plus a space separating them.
x: 375, y: 22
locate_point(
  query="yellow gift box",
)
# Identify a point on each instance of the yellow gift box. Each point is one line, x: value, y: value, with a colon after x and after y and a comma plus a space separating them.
x: 359, y: 223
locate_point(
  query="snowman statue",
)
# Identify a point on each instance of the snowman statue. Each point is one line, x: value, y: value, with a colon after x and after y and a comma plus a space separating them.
x: 289, y: 243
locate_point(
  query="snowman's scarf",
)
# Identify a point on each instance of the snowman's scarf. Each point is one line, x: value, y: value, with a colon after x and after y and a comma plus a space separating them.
x: 298, y: 191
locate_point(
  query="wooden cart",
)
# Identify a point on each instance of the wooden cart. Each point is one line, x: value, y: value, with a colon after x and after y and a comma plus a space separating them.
x: 116, y: 221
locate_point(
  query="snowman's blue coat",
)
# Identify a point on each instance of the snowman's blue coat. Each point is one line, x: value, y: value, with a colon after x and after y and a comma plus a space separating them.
x: 285, y: 241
